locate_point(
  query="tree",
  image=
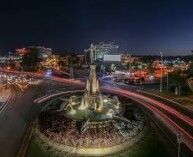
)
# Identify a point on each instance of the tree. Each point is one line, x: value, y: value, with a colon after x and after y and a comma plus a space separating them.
x: 113, y: 68
x: 31, y: 60
x: 61, y: 62
x: 178, y: 83
x: 150, y: 68
x: 74, y: 60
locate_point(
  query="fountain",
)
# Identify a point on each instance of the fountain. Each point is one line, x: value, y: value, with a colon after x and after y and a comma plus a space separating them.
x: 92, y: 105
x: 92, y: 123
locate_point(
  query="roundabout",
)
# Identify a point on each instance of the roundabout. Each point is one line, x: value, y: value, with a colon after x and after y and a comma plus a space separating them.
x: 90, y: 123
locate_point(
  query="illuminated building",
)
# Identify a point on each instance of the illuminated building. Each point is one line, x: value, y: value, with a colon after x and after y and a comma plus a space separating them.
x: 44, y: 52
x: 97, y: 51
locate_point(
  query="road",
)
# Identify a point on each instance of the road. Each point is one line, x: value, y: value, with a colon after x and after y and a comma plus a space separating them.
x: 19, y: 114
x: 14, y: 120
x: 172, y: 116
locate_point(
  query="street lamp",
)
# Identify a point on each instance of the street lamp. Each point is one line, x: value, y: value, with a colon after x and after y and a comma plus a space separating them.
x: 167, y: 81
x: 161, y: 55
x: 6, y: 81
x: 22, y: 76
x: 71, y: 71
x: 85, y: 59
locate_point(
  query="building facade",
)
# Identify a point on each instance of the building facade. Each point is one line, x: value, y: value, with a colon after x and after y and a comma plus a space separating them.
x: 99, y: 50
x: 44, y: 52
x: 103, y: 54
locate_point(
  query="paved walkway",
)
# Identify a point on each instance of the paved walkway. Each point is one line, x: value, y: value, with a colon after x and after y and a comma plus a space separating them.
x: 4, y: 96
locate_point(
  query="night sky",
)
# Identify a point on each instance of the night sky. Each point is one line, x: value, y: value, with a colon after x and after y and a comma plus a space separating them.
x: 138, y: 26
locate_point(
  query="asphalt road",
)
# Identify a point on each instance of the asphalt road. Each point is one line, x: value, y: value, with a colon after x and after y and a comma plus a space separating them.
x: 180, y: 118
x: 16, y: 117
x: 14, y: 120
x: 20, y: 111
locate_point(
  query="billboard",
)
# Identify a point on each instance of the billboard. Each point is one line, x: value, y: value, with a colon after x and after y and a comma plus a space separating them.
x: 110, y: 58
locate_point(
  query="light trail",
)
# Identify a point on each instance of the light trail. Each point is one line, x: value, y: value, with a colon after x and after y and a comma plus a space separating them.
x: 189, y: 138
x: 149, y: 103
x: 171, y: 121
x: 183, y: 117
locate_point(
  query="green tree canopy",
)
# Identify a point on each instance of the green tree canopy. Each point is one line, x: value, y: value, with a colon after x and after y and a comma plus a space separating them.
x: 74, y: 60
x: 31, y: 60
x: 178, y: 79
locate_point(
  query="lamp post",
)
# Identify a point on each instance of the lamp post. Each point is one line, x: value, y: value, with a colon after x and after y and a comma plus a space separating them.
x: 6, y: 81
x: 71, y: 71
x: 6, y: 86
x: 167, y: 81
x: 161, y: 55
x: 129, y: 63
x: 22, y: 76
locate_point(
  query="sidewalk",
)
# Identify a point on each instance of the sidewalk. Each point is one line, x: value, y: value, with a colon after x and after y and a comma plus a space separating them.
x: 4, y: 96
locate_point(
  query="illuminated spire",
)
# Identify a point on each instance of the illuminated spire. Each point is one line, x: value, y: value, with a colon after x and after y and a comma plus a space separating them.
x: 97, y: 86
x: 93, y: 80
x: 91, y: 97
x: 88, y: 87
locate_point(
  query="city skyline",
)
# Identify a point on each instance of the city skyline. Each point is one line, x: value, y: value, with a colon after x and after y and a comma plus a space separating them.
x: 141, y: 28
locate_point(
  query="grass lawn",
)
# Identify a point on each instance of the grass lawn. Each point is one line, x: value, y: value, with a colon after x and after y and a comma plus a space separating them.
x: 35, y: 149
x: 152, y: 146
x: 183, y: 100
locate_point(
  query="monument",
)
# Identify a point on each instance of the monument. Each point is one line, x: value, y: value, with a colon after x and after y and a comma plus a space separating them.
x: 90, y: 123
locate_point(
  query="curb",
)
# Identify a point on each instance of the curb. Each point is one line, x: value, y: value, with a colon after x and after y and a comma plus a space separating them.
x: 5, y: 103
x: 47, y: 97
x: 167, y: 100
x: 25, y: 142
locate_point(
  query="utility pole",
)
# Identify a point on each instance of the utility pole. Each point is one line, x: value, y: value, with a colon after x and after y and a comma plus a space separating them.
x: 167, y: 81
x: 22, y: 76
x: 85, y: 62
x: 71, y: 71
x: 161, y: 55
x: 6, y: 81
